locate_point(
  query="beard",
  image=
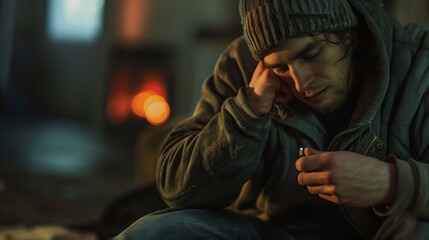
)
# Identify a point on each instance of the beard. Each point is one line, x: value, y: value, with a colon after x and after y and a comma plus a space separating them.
x: 337, y: 99
x: 337, y: 95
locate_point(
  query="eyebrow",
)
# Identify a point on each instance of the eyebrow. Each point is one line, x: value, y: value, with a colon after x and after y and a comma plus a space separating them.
x: 307, y: 48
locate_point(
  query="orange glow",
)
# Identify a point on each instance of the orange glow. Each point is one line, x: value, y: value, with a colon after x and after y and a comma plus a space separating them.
x: 117, y: 107
x: 157, y: 113
x: 151, y: 100
x: 154, y: 81
x: 138, y: 103
x: 134, y: 20
x: 154, y: 107
x: 117, y: 111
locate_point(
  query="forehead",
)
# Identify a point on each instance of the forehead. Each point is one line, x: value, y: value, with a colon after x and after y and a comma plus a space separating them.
x: 290, y: 48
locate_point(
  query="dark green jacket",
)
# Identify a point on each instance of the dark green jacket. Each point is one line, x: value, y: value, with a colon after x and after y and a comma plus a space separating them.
x: 224, y: 154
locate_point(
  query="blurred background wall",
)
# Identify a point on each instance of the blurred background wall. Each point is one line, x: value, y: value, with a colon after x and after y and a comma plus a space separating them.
x: 75, y: 76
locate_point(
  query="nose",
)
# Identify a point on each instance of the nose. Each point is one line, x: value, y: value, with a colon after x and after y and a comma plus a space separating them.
x: 302, y: 78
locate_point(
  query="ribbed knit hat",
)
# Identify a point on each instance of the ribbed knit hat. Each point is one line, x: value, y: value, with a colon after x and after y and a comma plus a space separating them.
x: 267, y: 23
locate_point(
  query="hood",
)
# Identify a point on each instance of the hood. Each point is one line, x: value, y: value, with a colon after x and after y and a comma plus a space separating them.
x: 374, y: 88
x: 375, y: 81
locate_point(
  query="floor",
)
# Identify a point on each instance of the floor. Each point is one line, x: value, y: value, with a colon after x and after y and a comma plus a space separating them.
x: 58, y: 171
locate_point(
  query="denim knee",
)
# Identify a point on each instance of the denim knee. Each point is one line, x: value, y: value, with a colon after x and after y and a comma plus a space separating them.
x: 200, y: 224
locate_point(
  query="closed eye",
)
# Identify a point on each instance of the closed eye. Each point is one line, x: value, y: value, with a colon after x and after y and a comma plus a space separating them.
x: 282, y: 68
x: 311, y: 56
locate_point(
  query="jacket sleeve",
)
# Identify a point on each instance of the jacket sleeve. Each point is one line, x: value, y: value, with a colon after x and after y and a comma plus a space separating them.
x: 206, y: 159
x: 413, y: 173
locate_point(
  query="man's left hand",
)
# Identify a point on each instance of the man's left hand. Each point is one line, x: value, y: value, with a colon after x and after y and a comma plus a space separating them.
x: 347, y: 178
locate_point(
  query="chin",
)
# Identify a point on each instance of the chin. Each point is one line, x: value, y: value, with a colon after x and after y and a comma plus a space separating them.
x: 328, y: 106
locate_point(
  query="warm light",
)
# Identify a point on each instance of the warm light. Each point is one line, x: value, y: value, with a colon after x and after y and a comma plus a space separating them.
x: 154, y: 107
x: 118, y: 100
x: 154, y: 81
x: 117, y: 111
x: 134, y: 20
x: 138, y: 103
x: 157, y: 113
x: 151, y: 100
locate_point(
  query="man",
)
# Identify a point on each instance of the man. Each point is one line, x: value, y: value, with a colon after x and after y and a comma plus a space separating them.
x: 339, y: 78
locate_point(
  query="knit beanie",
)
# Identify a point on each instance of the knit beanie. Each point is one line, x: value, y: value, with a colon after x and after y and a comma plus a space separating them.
x: 266, y: 23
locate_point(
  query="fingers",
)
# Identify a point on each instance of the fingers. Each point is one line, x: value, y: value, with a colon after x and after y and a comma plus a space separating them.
x: 269, y: 87
x: 310, y: 151
x: 314, y: 178
x: 258, y: 70
x: 318, y: 180
x: 310, y: 163
x: 314, y: 160
x: 322, y: 190
x: 332, y: 198
x: 322, y: 172
x: 262, y: 89
x: 319, y: 184
x: 264, y: 77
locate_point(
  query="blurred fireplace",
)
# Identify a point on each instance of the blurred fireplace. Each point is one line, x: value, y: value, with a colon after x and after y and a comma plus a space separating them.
x: 139, y: 88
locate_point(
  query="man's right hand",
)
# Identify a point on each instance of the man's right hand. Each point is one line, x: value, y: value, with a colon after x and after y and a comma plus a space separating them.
x: 265, y: 88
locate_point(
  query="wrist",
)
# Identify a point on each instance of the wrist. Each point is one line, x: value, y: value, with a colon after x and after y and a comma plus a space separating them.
x: 259, y: 107
x: 393, y: 185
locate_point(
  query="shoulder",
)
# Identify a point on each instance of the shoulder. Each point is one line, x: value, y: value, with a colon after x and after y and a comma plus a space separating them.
x: 239, y: 44
x: 411, y: 52
x: 238, y: 50
x: 409, y: 67
x: 414, y: 36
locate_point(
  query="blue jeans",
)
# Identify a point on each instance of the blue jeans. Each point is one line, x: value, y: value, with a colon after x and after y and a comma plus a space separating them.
x: 201, y: 224
x: 208, y: 224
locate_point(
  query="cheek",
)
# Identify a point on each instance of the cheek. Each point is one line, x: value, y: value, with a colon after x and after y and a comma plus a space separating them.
x: 333, y: 72
x: 324, y: 68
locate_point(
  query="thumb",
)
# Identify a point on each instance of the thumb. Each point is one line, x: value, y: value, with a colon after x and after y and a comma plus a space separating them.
x: 310, y: 151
